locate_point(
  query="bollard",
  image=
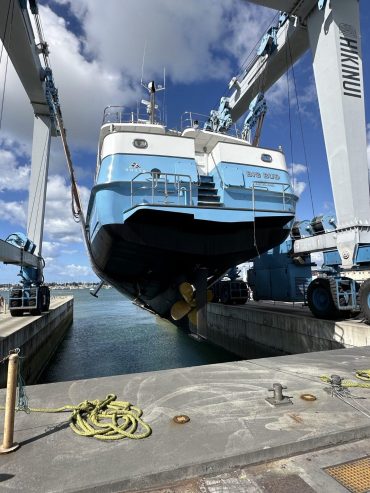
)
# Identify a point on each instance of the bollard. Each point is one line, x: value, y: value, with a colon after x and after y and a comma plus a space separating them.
x: 278, y: 397
x: 11, y: 391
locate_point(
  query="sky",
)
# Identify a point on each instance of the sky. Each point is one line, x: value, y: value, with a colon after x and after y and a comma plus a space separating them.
x: 96, y: 54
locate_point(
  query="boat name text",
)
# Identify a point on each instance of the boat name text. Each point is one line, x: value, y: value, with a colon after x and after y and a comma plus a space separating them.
x: 266, y: 176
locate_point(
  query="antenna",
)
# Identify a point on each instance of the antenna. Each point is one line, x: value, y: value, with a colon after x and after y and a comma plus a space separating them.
x: 164, y: 114
x: 142, y: 66
x: 152, y: 88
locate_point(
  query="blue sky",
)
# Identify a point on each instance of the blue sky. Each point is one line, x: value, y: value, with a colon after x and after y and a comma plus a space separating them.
x: 96, y: 55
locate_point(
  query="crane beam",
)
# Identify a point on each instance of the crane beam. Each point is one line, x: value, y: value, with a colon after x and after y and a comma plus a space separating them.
x: 38, y: 180
x: 17, y: 36
x: 299, y: 8
x: 10, y: 254
x: 264, y: 71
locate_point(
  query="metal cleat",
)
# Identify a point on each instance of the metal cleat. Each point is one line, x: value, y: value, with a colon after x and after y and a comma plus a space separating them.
x: 278, y: 398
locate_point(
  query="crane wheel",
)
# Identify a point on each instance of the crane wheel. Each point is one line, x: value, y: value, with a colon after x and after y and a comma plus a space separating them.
x: 16, y: 313
x: 364, y: 300
x: 320, y: 300
x: 35, y: 302
x: 45, y: 298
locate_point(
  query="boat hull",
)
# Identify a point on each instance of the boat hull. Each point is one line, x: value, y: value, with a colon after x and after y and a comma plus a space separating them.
x: 152, y: 252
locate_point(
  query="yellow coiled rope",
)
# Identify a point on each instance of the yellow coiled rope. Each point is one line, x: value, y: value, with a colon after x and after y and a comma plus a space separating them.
x: 106, y: 419
x: 363, y: 374
x: 360, y: 374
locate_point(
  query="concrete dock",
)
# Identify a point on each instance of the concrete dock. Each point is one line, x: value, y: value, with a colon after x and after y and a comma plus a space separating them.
x: 231, y: 427
x: 282, y: 328
x: 37, y: 337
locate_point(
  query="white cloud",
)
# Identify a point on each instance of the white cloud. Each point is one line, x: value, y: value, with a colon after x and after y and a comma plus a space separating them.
x: 297, y: 169
x: 85, y: 86
x: 298, y: 186
x: 12, y: 175
x: 185, y: 37
x: 60, y: 226
x: 72, y: 271
x: 15, y: 146
x: 14, y: 212
x: 75, y: 271
x: 59, y: 223
x: 50, y: 249
x: 278, y: 95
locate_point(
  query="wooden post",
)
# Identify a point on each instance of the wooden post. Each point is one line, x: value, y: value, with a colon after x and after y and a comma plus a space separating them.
x: 11, y: 392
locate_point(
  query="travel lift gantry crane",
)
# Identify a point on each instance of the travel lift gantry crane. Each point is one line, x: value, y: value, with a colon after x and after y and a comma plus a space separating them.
x: 18, y: 38
x: 332, y: 30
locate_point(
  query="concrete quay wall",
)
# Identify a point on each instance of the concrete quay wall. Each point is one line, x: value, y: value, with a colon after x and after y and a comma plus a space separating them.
x: 281, y: 330
x: 37, y: 337
x: 231, y: 425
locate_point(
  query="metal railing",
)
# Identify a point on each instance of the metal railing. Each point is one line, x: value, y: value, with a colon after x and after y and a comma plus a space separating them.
x: 190, y: 119
x: 265, y: 186
x: 158, y: 183
x: 222, y: 183
x: 120, y: 114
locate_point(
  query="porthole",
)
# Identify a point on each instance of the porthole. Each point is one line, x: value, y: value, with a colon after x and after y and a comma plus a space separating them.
x: 266, y: 158
x: 140, y: 143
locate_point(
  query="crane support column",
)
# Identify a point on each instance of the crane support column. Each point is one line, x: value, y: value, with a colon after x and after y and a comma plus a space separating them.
x: 38, y: 182
x: 334, y: 35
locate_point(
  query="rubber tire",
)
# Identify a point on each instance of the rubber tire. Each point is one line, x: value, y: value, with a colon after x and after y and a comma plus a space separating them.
x: 45, y: 298
x: 16, y: 313
x: 36, y: 309
x: 14, y: 303
x: 225, y: 297
x: 364, y: 300
x: 255, y: 296
x: 320, y: 300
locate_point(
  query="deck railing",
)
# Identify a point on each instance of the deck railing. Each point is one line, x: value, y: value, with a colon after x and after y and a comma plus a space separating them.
x: 120, y: 114
x: 266, y: 187
x: 168, y: 185
x: 190, y: 119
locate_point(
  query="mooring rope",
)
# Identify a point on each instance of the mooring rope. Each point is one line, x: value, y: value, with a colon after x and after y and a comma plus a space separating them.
x: 360, y: 374
x: 105, y: 419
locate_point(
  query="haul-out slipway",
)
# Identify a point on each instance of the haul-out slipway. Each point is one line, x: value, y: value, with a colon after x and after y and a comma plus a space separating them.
x: 171, y: 211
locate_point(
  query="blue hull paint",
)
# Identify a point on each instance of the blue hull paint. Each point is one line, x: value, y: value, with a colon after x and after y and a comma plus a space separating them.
x: 153, y: 221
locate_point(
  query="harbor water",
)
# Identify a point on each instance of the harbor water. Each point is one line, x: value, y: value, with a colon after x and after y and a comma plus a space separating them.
x: 111, y: 336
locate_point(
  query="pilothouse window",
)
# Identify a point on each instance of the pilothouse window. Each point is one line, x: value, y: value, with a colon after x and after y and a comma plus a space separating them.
x: 140, y: 143
x: 266, y: 158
